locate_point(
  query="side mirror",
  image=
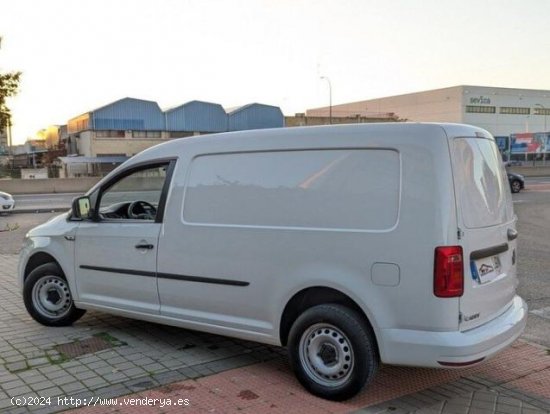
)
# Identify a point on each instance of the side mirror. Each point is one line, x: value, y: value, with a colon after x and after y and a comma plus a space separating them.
x: 81, y: 208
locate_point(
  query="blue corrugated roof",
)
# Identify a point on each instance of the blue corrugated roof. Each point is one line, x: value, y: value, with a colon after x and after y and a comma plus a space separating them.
x: 236, y: 109
x: 196, y: 116
x: 255, y: 116
x: 128, y: 114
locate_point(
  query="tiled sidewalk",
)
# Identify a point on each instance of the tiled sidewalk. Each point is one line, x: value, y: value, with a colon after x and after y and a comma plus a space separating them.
x: 223, y: 375
x: 137, y: 355
x: 516, y: 381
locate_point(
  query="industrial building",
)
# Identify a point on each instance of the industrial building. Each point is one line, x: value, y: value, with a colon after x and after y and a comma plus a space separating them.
x: 122, y: 128
x: 195, y: 117
x: 501, y: 111
x: 301, y: 119
x: 254, y: 116
x: 106, y: 136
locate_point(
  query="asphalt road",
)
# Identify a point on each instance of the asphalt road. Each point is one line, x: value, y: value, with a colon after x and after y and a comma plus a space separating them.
x: 43, y: 201
x: 531, y: 206
x: 29, y: 203
x: 533, y: 211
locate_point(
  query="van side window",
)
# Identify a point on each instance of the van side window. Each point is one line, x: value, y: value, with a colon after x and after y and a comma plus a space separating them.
x: 135, y: 196
x: 352, y: 189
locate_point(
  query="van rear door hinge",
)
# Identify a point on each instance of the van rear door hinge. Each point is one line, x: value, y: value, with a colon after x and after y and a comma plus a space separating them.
x: 459, y: 233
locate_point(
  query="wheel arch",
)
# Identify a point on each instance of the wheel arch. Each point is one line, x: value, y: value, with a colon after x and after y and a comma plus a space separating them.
x: 38, y: 259
x: 312, y: 296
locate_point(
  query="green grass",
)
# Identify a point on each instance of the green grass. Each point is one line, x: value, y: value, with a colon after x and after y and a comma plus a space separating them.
x: 110, y: 339
x: 58, y: 359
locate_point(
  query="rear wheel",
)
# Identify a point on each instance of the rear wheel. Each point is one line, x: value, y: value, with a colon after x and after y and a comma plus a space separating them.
x: 332, y: 351
x: 516, y: 186
x: 48, y: 298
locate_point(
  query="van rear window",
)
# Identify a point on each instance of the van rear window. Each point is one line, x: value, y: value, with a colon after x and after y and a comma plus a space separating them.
x: 323, y: 189
x: 480, y: 182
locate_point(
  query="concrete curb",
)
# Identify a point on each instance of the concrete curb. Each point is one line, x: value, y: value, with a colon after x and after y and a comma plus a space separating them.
x: 39, y: 210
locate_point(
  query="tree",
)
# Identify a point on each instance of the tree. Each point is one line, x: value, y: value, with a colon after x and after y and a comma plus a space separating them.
x: 9, y: 85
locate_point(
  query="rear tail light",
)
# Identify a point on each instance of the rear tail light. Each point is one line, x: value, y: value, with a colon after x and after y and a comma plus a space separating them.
x: 448, y: 272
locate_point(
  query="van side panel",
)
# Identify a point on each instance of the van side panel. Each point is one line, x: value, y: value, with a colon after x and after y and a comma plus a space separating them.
x: 274, y: 260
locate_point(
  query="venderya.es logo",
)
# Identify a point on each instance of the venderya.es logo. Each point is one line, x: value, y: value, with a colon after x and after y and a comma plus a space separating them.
x: 485, y: 268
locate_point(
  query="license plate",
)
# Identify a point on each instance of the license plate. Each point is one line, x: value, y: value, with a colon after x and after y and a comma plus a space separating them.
x: 486, y: 269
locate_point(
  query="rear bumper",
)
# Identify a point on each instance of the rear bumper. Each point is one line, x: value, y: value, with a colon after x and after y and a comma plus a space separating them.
x: 429, y: 349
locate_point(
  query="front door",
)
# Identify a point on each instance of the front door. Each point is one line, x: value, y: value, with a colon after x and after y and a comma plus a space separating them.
x: 115, y: 261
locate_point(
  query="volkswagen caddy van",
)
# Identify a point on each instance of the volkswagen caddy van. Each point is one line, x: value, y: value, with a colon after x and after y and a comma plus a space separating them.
x: 350, y: 245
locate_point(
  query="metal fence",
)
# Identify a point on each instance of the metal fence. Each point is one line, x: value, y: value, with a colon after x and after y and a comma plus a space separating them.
x: 526, y: 159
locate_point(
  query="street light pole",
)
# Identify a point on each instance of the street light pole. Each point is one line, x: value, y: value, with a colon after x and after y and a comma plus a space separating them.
x: 329, y: 97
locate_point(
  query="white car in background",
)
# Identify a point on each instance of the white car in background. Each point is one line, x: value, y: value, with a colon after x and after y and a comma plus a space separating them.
x: 6, y: 202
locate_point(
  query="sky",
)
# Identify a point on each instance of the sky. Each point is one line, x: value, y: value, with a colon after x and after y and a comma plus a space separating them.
x: 79, y: 55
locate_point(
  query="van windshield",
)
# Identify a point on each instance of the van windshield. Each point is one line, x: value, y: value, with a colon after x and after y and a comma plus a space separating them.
x: 481, y: 183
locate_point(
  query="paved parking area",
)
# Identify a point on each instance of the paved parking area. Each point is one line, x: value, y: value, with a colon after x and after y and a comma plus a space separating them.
x: 139, y: 355
x: 13, y: 228
x: 502, y: 385
x: 222, y: 375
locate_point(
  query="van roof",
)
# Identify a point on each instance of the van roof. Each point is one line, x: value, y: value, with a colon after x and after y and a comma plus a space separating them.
x: 174, y: 146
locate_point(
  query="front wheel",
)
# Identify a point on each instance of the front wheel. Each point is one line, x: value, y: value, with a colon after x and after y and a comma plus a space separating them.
x: 332, y: 351
x: 47, y: 297
x: 516, y: 186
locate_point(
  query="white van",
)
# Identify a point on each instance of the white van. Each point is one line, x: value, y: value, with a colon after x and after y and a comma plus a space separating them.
x: 351, y: 245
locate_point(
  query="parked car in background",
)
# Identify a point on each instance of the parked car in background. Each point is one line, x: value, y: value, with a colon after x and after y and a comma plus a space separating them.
x: 517, y: 182
x: 6, y: 202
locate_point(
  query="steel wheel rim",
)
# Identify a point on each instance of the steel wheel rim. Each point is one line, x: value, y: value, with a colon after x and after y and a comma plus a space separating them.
x: 516, y: 186
x: 326, y: 355
x: 51, y: 297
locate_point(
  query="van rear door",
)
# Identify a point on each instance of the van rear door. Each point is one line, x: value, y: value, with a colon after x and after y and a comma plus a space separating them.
x: 487, y: 230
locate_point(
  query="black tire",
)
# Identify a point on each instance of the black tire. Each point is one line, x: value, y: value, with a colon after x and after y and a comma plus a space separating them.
x: 515, y: 185
x: 45, y: 285
x: 327, y: 333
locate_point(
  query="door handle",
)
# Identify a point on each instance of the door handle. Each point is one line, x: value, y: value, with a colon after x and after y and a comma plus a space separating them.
x: 145, y: 246
x: 512, y: 234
